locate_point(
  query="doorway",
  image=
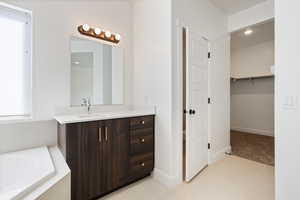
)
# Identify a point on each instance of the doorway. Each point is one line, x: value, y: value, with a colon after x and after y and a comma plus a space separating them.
x: 252, y: 93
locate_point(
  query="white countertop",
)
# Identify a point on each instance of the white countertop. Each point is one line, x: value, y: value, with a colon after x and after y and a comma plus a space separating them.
x: 74, y: 118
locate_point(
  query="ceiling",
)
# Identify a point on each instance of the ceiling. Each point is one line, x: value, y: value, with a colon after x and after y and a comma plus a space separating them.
x: 261, y: 33
x: 233, y: 6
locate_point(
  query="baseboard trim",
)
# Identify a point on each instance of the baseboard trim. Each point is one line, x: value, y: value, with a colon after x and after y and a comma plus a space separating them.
x: 254, y: 131
x: 164, y: 178
x: 219, y: 155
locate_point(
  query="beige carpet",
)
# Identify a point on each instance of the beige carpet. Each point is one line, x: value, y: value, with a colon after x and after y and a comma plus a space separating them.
x: 253, y: 147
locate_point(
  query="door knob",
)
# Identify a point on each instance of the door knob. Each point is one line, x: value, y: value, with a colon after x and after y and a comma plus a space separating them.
x: 192, y: 112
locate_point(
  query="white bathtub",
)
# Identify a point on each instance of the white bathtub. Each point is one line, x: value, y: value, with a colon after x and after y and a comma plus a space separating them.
x: 21, y: 172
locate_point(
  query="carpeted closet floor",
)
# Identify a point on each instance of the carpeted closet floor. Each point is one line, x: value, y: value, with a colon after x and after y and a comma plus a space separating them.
x: 253, y: 147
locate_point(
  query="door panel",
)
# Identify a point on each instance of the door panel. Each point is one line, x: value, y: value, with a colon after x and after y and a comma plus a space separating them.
x: 120, y: 152
x: 196, y: 100
x: 93, y: 159
x: 76, y: 142
x: 106, y: 159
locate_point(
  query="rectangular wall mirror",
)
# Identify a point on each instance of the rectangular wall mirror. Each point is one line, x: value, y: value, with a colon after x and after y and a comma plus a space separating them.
x: 96, y: 73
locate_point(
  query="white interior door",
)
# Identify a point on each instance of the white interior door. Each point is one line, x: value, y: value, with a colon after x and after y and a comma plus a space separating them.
x: 196, y: 105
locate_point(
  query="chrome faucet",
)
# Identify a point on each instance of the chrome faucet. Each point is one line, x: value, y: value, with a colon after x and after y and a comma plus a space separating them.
x: 86, y: 102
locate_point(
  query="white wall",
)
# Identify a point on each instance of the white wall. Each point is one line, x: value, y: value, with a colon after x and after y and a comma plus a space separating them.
x: 254, y: 60
x: 82, y: 83
x: 252, y: 102
x: 152, y: 72
x: 18, y: 136
x: 53, y: 24
x: 256, y: 14
x: 252, y: 106
x: 287, y: 99
x: 92, y: 81
x: 117, y: 76
x: 202, y: 17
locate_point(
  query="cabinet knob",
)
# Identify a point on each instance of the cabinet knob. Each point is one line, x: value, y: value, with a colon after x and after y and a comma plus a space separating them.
x: 143, y: 164
x: 143, y: 122
x: 142, y: 140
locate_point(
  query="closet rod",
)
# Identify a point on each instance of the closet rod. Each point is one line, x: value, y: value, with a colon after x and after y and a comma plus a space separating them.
x: 251, y: 78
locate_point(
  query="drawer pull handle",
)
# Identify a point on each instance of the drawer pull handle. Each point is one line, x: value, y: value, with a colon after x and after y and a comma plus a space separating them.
x: 106, y: 133
x: 143, y: 140
x: 99, y: 135
x: 143, y: 164
x: 143, y: 122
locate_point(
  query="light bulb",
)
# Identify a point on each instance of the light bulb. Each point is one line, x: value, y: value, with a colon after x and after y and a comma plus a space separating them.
x: 86, y: 27
x: 97, y: 31
x: 248, y: 32
x: 118, y: 37
x: 107, y: 34
x: 76, y: 63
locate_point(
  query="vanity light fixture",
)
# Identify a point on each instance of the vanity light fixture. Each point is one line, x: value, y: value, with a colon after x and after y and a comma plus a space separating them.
x: 85, y: 29
x: 98, y: 31
x: 107, y: 34
x: 118, y: 37
x: 76, y: 63
x: 248, y: 31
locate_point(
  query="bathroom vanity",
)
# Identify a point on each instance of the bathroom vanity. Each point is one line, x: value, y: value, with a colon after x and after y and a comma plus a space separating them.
x: 106, y: 152
x: 113, y: 145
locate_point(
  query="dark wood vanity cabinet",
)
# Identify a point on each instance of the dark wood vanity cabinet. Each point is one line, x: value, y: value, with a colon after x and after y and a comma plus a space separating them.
x: 106, y: 155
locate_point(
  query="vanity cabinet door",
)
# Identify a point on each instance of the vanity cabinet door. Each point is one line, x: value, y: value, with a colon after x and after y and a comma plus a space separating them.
x: 84, y: 156
x: 106, y: 158
x: 93, y: 160
x: 76, y: 151
x: 121, y: 148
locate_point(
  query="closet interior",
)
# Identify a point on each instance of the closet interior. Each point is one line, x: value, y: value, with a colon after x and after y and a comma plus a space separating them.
x: 252, y: 93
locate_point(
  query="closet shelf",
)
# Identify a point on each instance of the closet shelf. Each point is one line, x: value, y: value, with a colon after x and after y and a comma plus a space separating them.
x: 252, y: 77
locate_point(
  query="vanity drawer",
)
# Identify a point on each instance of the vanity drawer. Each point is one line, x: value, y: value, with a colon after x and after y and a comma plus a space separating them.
x: 141, y: 165
x: 142, y: 122
x: 141, y: 144
x: 141, y: 132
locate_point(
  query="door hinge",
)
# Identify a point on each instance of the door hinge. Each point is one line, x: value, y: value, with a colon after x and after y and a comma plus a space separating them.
x: 209, y: 100
x: 209, y: 54
x: 208, y: 146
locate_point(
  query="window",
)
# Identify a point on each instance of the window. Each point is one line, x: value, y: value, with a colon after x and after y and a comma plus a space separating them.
x: 15, y: 61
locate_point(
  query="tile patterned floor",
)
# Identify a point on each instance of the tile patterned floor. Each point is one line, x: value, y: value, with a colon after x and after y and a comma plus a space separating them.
x: 233, y: 178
